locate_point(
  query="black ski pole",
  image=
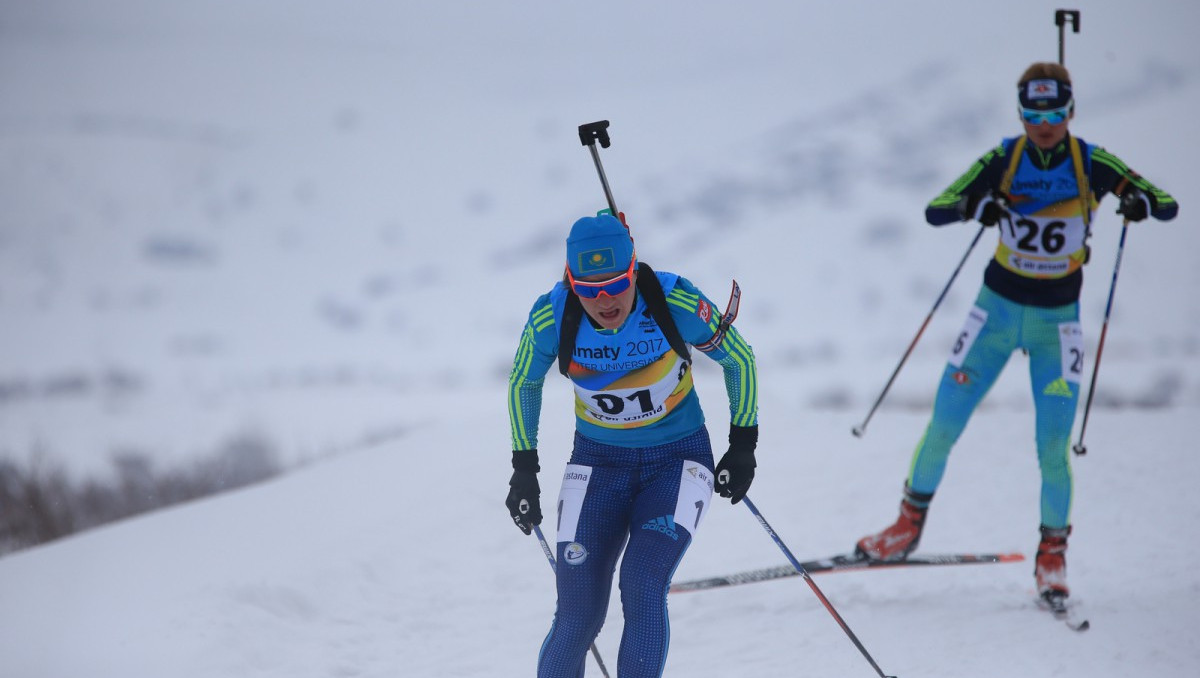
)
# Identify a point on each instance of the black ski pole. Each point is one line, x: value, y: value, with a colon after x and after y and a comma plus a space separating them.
x: 1079, y: 447
x: 861, y: 428
x: 589, y: 134
x: 813, y: 585
x: 554, y: 567
x: 1061, y: 17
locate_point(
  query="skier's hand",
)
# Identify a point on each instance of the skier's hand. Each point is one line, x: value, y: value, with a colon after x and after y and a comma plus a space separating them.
x: 524, y: 495
x: 735, y: 471
x: 1135, y: 206
x: 982, y: 207
x: 989, y: 213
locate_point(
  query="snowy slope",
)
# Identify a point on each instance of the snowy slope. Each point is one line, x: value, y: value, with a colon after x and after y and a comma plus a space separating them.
x: 361, y: 566
x: 324, y: 224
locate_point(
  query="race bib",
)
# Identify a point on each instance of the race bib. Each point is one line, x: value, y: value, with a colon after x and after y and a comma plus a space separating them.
x: 640, y: 397
x: 570, y: 500
x: 695, y: 494
x: 967, y: 335
x: 1070, y: 341
x: 1036, y: 247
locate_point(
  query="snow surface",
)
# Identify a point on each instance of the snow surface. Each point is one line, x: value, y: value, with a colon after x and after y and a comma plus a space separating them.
x: 324, y: 223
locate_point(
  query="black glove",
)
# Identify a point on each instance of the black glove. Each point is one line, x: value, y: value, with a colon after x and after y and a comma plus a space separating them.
x: 1134, y: 205
x: 524, y: 496
x: 735, y: 472
x: 981, y: 207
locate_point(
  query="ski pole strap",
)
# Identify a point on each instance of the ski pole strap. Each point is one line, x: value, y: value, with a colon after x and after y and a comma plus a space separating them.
x: 727, y: 318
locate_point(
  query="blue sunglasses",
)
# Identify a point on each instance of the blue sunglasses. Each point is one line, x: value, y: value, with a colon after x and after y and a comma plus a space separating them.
x: 1054, y: 116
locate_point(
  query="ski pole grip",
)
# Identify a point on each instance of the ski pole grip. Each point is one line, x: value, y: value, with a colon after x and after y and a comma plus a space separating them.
x: 590, y: 133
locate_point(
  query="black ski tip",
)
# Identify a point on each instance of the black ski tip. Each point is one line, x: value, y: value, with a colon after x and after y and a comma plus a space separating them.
x: 1056, y: 604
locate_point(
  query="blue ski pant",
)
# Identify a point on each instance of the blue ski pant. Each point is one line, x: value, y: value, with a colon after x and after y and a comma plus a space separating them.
x: 646, y: 502
x: 994, y: 329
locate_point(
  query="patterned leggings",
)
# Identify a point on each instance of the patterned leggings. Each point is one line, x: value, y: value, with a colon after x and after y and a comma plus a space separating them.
x: 994, y: 329
x: 648, y: 501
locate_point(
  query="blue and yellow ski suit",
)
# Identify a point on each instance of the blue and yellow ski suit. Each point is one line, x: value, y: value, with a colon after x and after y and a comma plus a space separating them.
x: 640, y: 477
x: 1029, y: 299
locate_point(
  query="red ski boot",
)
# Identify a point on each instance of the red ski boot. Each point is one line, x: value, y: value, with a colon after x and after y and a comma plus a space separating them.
x: 902, y: 537
x: 1051, y: 566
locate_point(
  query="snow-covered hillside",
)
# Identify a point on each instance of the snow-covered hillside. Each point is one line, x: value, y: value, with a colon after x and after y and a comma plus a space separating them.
x: 322, y: 225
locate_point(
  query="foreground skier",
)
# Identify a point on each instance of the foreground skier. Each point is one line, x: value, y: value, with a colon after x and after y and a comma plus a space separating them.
x: 640, y: 477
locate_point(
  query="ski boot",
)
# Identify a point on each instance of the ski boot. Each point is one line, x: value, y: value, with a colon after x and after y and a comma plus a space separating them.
x: 902, y: 537
x: 1050, y: 568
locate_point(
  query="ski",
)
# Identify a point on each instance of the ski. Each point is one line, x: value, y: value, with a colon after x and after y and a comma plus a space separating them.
x: 1057, y: 606
x: 842, y: 563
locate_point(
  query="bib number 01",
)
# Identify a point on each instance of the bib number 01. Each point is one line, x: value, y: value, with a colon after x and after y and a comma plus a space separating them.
x: 614, y: 405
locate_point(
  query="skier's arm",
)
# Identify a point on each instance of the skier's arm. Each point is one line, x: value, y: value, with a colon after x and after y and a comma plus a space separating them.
x: 1111, y: 175
x: 959, y: 200
x: 536, y: 352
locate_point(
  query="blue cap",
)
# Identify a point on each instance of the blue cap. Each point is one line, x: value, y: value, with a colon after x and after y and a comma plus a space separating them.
x: 598, y: 245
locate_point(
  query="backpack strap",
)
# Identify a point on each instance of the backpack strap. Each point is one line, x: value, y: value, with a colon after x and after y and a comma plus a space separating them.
x: 652, y: 293
x: 1085, y: 189
x: 656, y: 302
x: 571, y: 317
x: 1085, y: 203
x: 1081, y: 181
x: 1018, y: 150
x: 1081, y: 177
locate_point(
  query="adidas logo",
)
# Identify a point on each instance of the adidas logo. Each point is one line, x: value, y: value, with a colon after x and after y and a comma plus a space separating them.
x: 1059, y: 387
x: 664, y: 525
